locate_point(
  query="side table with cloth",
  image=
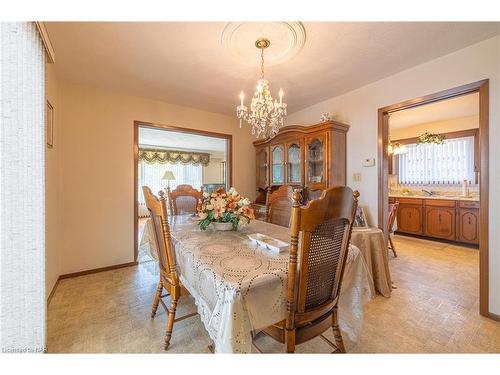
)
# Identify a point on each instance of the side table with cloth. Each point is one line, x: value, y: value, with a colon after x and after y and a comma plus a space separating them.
x: 240, y: 288
x: 373, y: 246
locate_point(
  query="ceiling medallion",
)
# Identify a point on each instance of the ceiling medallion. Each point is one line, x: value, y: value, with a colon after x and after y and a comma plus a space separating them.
x: 266, y: 115
x: 288, y: 39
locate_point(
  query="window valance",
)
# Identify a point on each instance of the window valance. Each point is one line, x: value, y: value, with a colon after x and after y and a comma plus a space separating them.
x: 173, y: 156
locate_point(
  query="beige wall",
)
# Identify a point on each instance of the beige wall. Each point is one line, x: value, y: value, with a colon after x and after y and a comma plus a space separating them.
x: 212, y: 173
x: 97, y: 197
x: 359, y: 109
x: 452, y: 125
x: 52, y: 187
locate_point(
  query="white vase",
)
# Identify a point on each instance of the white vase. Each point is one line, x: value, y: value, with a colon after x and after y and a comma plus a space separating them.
x: 223, y: 226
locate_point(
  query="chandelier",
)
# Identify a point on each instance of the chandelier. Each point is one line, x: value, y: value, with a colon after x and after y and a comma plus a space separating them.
x: 266, y: 114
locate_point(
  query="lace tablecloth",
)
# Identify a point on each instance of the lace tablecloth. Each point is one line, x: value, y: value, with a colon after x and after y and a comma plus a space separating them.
x: 238, y: 287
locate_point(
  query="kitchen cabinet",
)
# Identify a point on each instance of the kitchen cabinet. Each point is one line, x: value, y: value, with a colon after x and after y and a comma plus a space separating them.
x: 409, y: 216
x: 468, y: 222
x: 439, y: 218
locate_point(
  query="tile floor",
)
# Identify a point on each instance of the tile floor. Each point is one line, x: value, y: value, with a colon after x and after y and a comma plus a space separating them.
x: 433, y: 310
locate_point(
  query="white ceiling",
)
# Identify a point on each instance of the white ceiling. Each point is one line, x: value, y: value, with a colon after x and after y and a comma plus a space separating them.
x: 185, y: 63
x: 461, y: 106
x: 181, y: 141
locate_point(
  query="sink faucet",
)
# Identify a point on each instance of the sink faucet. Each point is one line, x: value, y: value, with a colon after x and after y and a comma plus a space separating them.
x: 429, y: 193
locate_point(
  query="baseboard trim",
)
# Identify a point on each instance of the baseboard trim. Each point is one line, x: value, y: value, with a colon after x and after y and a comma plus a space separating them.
x: 494, y: 316
x: 96, y: 270
x: 49, y: 298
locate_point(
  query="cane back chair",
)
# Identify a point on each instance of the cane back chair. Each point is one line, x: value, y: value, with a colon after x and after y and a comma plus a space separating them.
x: 169, y: 278
x: 279, y: 206
x: 316, y: 267
x: 184, y: 199
x: 393, y: 211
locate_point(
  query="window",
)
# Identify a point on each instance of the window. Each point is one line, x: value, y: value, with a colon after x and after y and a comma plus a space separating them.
x: 151, y: 174
x: 448, y: 163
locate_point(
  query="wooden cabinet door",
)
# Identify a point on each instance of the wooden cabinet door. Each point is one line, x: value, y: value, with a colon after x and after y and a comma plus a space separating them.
x: 277, y: 165
x: 262, y: 163
x: 316, y: 161
x: 468, y: 226
x: 440, y: 222
x: 410, y: 219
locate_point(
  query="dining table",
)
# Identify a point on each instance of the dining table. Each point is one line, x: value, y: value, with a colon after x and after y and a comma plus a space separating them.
x: 240, y: 287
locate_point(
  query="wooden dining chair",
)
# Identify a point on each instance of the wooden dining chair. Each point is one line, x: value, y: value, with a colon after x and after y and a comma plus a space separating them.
x: 184, y: 199
x: 279, y: 206
x: 393, y: 211
x: 169, y: 279
x: 316, y: 268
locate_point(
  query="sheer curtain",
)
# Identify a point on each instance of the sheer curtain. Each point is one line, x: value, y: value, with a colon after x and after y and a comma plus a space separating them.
x: 22, y: 207
x: 448, y: 163
x: 150, y: 174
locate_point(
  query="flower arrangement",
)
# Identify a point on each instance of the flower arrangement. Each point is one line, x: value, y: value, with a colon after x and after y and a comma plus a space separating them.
x: 224, y: 207
x: 428, y: 137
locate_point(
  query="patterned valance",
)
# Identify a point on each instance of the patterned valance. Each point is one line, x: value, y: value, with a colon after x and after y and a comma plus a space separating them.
x: 173, y: 156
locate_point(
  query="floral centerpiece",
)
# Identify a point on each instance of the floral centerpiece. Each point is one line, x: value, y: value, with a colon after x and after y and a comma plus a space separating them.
x: 224, y: 207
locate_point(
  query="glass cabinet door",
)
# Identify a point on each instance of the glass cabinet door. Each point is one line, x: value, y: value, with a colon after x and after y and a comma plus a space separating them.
x: 315, y: 162
x: 293, y: 164
x: 262, y: 169
x: 277, y: 161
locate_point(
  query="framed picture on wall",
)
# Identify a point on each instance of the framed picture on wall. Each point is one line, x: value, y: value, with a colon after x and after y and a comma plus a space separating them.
x: 49, y: 119
x: 360, y: 219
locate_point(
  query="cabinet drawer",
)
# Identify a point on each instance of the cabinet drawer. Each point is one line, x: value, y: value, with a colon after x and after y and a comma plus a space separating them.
x: 439, y: 203
x: 412, y: 201
x: 468, y: 204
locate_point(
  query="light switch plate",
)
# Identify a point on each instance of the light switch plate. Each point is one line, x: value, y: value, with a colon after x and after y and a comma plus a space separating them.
x: 356, y: 177
x: 368, y: 162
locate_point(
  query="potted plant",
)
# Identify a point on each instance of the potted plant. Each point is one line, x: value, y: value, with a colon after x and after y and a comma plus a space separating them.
x: 224, y: 210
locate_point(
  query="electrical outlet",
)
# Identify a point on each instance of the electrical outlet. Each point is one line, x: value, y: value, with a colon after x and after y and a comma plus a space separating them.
x: 356, y: 177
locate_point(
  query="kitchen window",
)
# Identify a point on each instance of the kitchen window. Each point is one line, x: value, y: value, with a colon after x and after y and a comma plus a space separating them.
x: 430, y: 164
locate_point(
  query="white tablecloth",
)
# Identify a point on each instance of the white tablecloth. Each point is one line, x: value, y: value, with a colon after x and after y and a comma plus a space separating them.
x: 238, y: 287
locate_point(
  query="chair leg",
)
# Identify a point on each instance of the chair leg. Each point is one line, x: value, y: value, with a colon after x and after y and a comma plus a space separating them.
x: 156, y: 301
x: 392, y: 247
x: 290, y: 341
x: 170, y: 323
x: 336, y: 331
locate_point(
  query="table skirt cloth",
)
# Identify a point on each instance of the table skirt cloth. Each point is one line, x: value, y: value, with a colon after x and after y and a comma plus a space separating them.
x: 373, y: 247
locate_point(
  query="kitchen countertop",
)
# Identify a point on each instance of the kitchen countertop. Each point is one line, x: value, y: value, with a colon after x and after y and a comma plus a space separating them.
x: 445, y: 197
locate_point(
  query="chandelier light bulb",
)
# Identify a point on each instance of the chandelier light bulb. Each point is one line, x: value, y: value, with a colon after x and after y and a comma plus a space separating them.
x: 242, y: 96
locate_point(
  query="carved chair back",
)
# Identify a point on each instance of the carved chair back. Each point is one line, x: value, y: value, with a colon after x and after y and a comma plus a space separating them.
x: 311, y: 194
x: 316, y: 266
x: 279, y: 206
x: 184, y: 199
x: 157, y: 208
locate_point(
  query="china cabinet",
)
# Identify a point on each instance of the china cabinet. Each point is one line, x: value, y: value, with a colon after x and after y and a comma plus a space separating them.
x: 303, y: 156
